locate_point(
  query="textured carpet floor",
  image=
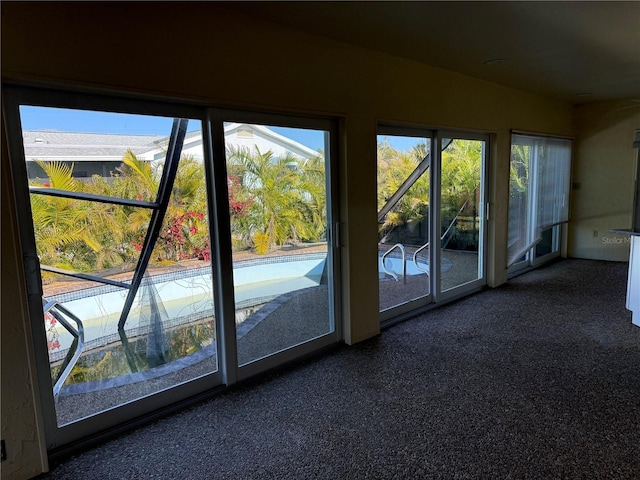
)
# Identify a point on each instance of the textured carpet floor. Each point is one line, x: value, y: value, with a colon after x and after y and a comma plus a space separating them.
x: 539, y: 378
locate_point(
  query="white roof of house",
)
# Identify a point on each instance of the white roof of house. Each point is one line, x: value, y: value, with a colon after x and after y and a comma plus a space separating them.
x: 51, y: 145
x: 78, y: 147
x: 243, y: 134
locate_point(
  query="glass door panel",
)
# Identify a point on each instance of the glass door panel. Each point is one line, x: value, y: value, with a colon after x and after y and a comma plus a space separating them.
x: 538, y: 199
x: 119, y: 215
x: 278, y: 198
x: 461, y: 219
x: 520, y: 220
x: 548, y: 247
x: 84, y: 154
x: 131, y: 293
x: 403, y: 219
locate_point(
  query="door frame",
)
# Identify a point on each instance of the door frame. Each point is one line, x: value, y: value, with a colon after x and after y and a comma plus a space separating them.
x: 473, y: 285
x: 558, y: 230
x: 59, y: 438
x: 436, y: 296
x: 217, y: 118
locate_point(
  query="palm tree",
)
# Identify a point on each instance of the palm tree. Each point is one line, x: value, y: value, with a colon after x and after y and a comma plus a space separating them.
x: 88, y: 236
x: 137, y: 179
x: 288, y: 199
x: 276, y: 200
x: 461, y: 174
x: 63, y: 235
x: 313, y: 181
x: 122, y: 228
x: 460, y: 188
x: 394, y: 167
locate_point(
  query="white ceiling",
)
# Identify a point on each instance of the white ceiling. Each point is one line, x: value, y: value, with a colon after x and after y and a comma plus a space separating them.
x: 556, y: 49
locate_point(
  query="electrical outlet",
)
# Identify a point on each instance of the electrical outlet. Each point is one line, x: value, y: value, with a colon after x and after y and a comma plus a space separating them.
x: 4, y: 450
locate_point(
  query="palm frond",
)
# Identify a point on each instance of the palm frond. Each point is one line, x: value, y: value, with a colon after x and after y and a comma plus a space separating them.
x: 60, y: 175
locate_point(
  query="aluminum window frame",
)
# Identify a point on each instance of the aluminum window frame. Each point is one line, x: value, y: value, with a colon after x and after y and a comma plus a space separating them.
x: 437, y: 297
x: 389, y: 315
x: 212, y: 118
x: 15, y: 96
x: 558, y: 230
x: 218, y: 117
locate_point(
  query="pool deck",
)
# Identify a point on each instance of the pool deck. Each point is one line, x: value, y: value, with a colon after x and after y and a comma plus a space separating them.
x: 268, y: 332
x: 464, y: 269
x: 272, y: 331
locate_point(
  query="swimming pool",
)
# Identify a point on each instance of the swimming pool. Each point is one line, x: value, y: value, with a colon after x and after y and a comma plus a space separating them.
x: 185, y: 295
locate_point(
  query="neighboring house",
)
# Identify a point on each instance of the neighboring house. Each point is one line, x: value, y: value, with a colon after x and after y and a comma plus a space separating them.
x: 250, y: 136
x: 101, y: 154
x: 90, y: 153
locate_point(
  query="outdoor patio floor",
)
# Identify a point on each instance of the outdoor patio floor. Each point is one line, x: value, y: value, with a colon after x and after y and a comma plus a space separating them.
x: 270, y: 330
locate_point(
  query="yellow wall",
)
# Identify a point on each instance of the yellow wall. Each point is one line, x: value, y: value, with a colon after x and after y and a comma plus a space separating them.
x: 604, y: 166
x: 203, y: 52
x: 21, y: 422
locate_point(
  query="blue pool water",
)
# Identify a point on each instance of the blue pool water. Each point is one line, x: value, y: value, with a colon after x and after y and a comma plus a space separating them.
x: 187, y: 295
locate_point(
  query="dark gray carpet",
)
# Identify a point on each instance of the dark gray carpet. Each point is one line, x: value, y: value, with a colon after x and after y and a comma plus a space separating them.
x: 539, y: 378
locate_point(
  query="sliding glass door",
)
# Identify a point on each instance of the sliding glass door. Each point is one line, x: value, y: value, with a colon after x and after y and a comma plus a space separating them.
x: 429, y: 178
x: 115, y: 229
x: 538, y: 199
x: 461, y: 195
x: 280, y: 212
x: 168, y: 249
x: 404, y: 191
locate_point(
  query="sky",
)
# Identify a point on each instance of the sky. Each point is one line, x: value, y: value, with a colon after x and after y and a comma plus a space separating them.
x: 401, y: 143
x: 86, y: 121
